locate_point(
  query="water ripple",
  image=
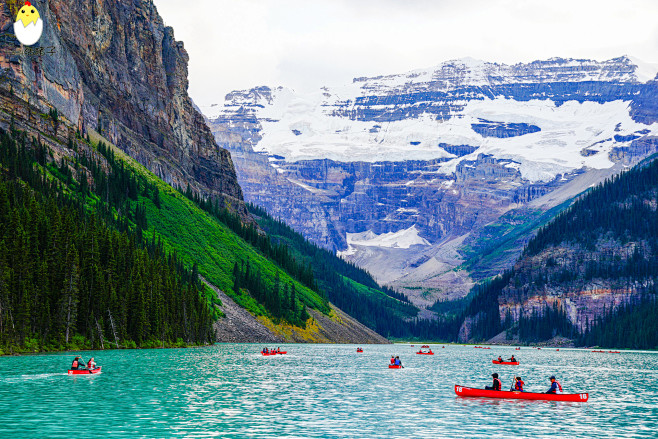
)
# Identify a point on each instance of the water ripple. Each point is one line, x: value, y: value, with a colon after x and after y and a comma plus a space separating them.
x: 324, y: 391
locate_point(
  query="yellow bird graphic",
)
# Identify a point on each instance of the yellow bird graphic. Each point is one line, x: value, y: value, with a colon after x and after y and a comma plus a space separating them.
x: 28, y: 25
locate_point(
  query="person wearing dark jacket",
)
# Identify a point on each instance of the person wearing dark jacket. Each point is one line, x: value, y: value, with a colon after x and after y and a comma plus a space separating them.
x: 496, y: 383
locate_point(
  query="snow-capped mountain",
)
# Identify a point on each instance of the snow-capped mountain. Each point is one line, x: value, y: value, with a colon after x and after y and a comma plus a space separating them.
x: 436, y: 153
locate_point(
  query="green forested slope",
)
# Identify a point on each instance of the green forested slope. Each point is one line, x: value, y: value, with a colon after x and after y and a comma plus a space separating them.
x: 200, y: 239
x: 69, y: 278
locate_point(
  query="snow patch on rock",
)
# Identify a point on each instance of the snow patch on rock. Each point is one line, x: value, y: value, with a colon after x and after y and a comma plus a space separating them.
x: 401, y: 239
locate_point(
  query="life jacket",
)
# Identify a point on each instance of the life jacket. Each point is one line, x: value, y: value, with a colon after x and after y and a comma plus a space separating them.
x: 397, y: 362
x: 89, y: 364
x: 392, y: 360
x: 497, y: 384
x: 559, y: 386
x: 75, y: 364
x: 519, y: 385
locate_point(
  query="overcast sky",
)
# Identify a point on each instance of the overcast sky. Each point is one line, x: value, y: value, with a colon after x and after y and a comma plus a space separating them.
x: 304, y: 44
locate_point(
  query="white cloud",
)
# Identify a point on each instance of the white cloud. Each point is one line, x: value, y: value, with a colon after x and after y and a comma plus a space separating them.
x: 307, y: 43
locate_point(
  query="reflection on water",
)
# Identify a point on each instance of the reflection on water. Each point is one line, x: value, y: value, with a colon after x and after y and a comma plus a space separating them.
x: 324, y: 391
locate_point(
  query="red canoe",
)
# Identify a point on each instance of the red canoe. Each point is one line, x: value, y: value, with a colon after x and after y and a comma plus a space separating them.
x: 425, y: 353
x: 510, y: 363
x: 84, y: 371
x: 393, y: 366
x: 481, y: 393
x: 359, y: 352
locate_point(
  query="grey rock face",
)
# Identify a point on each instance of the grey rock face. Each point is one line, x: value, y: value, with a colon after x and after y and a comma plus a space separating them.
x: 116, y: 69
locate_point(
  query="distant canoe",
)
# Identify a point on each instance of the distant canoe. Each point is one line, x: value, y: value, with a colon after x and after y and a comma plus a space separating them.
x: 85, y: 371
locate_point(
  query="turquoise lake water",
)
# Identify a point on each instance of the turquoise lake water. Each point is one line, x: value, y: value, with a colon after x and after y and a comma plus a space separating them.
x: 324, y: 391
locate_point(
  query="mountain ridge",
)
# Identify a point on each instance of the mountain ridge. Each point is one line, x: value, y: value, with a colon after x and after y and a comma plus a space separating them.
x: 439, y: 150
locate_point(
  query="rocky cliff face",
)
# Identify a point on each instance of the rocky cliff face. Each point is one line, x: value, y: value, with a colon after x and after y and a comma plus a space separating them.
x: 114, y: 68
x: 450, y: 150
x: 567, y: 286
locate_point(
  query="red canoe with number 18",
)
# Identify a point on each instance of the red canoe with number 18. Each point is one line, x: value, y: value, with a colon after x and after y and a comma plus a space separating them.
x: 481, y: 393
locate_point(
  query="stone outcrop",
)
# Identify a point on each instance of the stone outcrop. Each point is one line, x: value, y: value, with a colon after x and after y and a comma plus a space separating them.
x: 557, y: 278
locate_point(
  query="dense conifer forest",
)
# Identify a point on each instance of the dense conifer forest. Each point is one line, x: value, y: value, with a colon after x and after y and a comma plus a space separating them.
x: 75, y: 277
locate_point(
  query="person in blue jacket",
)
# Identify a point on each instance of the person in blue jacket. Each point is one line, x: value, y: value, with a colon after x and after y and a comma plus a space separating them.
x: 556, y: 387
x: 397, y: 361
x: 518, y: 385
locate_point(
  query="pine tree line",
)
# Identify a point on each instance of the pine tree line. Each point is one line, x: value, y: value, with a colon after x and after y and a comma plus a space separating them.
x: 280, y: 300
x: 391, y: 318
x: 620, y: 207
x: 74, y: 277
x: 632, y: 326
x: 277, y: 252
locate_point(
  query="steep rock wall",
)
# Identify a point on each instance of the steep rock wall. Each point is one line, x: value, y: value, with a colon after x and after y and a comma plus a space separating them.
x: 115, y: 68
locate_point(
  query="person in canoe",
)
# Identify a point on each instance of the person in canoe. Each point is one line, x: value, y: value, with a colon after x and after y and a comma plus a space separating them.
x: 496, y: 383
x: 556, y: 387
x: 392, y: 359
x: 518, y: 385
x: 513, y: 360
x: 265, y: 350
x: 78, y: 364
x: 500, y: 359
x: 397, y: 361
x: 91, y: 364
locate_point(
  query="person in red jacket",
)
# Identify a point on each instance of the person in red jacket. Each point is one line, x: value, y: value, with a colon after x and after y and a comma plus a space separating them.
x: 78, y: 363
x: 392, y: 359
x: 91, y: 364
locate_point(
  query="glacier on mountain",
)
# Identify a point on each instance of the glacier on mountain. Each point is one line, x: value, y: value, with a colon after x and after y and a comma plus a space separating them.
x: 438, y: 153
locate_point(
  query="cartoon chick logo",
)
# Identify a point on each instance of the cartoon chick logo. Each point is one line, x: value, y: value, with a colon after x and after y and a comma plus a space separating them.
x: 28, y: 26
